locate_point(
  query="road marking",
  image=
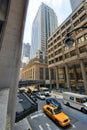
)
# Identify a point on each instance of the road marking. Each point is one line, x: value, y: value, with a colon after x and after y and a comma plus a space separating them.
x: 48, y: 126
x: 34, y: 116
x: 73, y: 126
x: 41, y: 127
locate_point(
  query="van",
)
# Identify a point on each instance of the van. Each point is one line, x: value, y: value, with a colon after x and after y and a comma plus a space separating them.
x: 75, y: 100
x: 45, y: 91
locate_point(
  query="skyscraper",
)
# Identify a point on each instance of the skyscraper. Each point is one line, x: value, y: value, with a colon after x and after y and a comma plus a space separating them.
x: 75, y: 3
x: 26, y: 50
x: 44, y: 24
x: 25, y: 57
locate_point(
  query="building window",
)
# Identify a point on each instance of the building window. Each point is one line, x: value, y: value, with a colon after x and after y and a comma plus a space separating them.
x: 63, y: 34
x: 79, y: 76
x: 67, y: 55
x: 74, y: 16
x: 56, y: 52
x: 60, y: 58
x: 71, y: 75
x: 69, y: 29
x: 52, y: 74
x: 57, y: 32
x: 56, y: 59
x: 68, y: 22
x: 59, y: 51
x: 55, y: 41
x: 58, y: 38
x: 83, y: 17
x: 47, y: 73
x: 55, y: 47
x: 78, y: 31
x: 59, y: 44
x: 54, y: 35
x: 41, y: 73
x: 83, y: 49
x: 76, y: 23
x: 73, y: 53
x: 80, y: 40
x: 62, y: 27
x: 86, y: 36
x: 66, y: 48
x: 80, y: 10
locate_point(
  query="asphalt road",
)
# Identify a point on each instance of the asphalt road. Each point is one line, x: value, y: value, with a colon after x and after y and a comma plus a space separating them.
x: 40, y: 121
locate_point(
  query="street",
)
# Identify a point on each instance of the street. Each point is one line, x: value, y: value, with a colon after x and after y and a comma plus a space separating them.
x: 40, y: 121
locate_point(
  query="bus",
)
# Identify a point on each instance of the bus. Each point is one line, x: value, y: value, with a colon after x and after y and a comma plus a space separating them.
x: 75, y: 100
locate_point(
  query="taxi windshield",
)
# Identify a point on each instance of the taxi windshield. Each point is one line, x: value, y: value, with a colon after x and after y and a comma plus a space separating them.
x: 56, y: 111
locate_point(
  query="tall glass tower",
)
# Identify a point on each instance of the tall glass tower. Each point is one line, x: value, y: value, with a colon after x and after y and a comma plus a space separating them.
x: 44, y: 24
x: 75, y: 3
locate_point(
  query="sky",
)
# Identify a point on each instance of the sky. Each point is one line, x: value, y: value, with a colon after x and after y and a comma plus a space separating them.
x: 62, y: 9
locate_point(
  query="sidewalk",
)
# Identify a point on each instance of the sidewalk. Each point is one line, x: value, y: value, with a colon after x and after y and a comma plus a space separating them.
x: 57, y: 94
x: 23, y: 125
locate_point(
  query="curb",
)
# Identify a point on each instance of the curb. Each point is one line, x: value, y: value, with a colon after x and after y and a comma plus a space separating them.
x: 30, y: 128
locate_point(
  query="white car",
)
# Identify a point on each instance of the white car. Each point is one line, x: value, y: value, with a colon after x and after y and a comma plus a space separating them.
x: 40, y: 95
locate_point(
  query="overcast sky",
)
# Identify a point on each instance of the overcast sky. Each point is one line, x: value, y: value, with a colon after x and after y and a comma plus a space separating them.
x: 62, y: 9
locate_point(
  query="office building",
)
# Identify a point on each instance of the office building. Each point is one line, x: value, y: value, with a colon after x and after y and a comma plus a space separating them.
x: 70, y: 62
x: 42, y: 56
x: 26, y: 50
x: 25, y: 57
x: 44, y: 24
x: 75, y: 3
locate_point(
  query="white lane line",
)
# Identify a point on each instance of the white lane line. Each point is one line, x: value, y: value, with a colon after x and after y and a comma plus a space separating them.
x: 73, y: 126
x: 48, y: 126
x: 41, y: 128
x: 37, y: 115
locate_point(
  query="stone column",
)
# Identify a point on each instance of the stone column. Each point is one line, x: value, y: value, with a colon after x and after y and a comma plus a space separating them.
x: 57, y: 79
x: 50, y: 79
x: 67, y: 76
x: 10, y: 52
x: 83, y: 75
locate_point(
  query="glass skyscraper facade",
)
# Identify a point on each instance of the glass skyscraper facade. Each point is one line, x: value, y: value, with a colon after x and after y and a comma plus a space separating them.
x: 75, y: 3
x: 43, y: 26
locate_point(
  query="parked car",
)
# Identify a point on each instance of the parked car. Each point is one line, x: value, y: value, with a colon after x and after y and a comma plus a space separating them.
x: 53, y: 102
x: 57, y: 115
x: 33, y: 97
x: 40, y: 95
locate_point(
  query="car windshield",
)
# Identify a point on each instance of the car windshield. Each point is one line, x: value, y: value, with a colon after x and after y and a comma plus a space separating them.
x: 56, y: 111
x: 53, y: 100
x: 84, y: 100
x: 42, y: 94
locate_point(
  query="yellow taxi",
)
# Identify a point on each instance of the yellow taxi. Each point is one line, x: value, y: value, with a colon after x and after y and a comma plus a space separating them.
x: 57, y: 115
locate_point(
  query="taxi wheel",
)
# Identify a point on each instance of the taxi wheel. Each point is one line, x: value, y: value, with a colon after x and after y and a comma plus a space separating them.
x: 56, y: 122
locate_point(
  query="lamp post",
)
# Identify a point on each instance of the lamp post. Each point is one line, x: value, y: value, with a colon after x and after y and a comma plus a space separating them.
x: 69, y: 42
x: 68, y: 39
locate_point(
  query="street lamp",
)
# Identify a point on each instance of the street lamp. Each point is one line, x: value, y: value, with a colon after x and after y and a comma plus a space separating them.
x: 68, y: 39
